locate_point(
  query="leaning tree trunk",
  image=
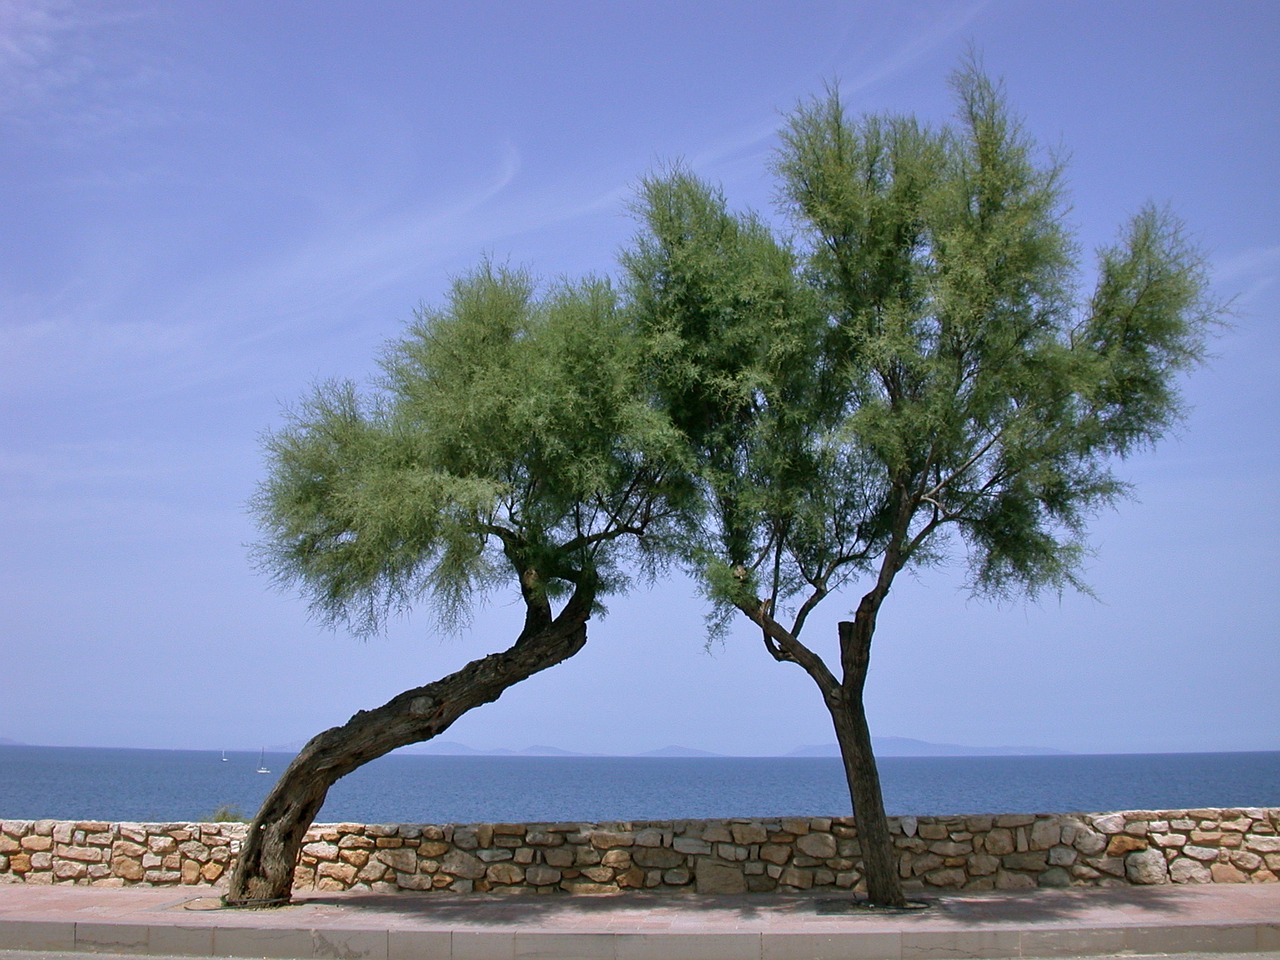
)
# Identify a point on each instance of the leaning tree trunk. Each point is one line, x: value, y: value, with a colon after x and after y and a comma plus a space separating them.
x: 263, y: 875
x: 884, y: 888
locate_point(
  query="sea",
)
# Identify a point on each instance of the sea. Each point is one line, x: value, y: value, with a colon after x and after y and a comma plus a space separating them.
x: 83, y: 783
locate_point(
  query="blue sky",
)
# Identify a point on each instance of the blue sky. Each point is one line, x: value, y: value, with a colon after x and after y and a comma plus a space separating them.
x: 207, y: 207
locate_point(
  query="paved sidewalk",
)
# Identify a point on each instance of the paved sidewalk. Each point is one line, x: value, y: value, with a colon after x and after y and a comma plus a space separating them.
x: 1214, y: 918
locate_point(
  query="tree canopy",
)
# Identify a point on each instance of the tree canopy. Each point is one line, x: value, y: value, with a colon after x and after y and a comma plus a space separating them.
x: 509, y: 434
x: 912, y: 371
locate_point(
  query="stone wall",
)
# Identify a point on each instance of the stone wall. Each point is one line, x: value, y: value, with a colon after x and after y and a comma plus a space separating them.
x: 1007, y: 852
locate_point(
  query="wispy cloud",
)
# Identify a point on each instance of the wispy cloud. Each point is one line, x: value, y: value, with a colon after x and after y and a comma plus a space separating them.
x: 71, y: 70
x: 935, y: 25
x: 1249, y: 272
x: 346, y: 259
x: 97, y: 334
x: 863, y: 61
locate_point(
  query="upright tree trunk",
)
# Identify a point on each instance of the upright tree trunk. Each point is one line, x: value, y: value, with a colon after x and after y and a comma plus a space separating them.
x: 263, y: 875
x: 884, y: 888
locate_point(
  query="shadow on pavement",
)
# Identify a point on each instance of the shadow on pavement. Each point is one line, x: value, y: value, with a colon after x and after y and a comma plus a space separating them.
x: 976, y: 908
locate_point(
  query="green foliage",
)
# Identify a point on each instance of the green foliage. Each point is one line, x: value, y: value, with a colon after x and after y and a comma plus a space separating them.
x: 921, y: 364
x: 227, y: 813
x: 509, y: 437
x: 784, y: 416
x: 729, y: 332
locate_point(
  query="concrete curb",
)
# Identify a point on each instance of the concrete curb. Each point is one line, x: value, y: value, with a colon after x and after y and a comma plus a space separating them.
x: 1218, y: 919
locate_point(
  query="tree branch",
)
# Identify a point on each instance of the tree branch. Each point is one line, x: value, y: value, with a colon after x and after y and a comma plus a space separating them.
x: 784, y: 646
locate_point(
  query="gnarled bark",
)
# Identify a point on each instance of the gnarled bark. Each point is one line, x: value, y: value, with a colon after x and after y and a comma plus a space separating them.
x: 263, y: 874
x: 879, y: 864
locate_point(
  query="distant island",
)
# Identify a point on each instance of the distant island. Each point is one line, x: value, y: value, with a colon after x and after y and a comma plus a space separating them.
x: 907, y: 747
x: 884, y: 746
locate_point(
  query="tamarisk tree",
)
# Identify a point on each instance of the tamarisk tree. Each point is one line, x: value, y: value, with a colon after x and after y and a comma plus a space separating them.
x: 916, y: 376
x: 507, y: 446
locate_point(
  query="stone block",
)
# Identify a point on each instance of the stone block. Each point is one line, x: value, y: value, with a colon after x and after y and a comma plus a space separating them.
x: 1186, y: 870
x: 691, y: 846
x: 506, y: 873
x: 70, y: 870
x: 1036, y: 861
x: 1113, y: 866
x: 211, y: 871
x: 662, y: 858
x: 20, y: 863
x: 1062, y: 856
x: 849, y: 847
x: 946, y: 877
x: 1089, y: 841
x: 607, y: 839
x: 1045, y: 834
x: 716, y: 876
x: 1014, y: 881
x: 1055, y: 877
x: 344, y: 873
x: 543, y: 838
x: 1121, y: 844
x: 1009, y: 820
x: 819, y: 845
x: 558, y: 856
x: 925, y: 864
x: 650, y: 837
x: 460, y: 863
x: 1227, y: 873
x: 1196, y: 852
x: 1146, y: 867
x: 981, y: 865
x: 999, y: 841
x: 539, y: 875
x: 586, y: 886
x: 775, y: 853
x: 420, y: 881
x: 400, y: 860
x: 321, y: 851
x: 798, y: 877
x: 716, y: 832
x: 1109, y: 824
x: 82, y: 854
x: 746, y: 834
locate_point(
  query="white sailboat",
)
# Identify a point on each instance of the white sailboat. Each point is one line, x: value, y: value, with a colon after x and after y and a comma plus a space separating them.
x: 262, y: 767
x: 224, y: 756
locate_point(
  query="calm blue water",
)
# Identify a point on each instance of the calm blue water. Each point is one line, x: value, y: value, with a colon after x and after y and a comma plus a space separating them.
x: 164, y: 785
